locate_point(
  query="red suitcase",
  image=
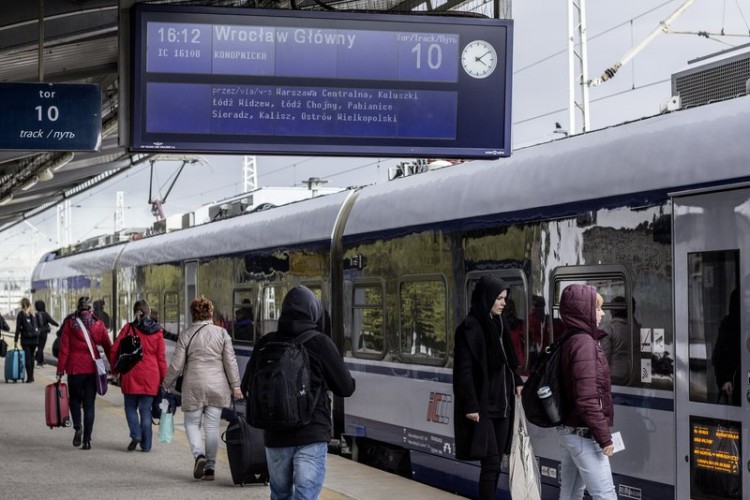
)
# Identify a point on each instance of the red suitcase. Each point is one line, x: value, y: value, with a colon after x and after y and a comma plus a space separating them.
x: 57, y: 405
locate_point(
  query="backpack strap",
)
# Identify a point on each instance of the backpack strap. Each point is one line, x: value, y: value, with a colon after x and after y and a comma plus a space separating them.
x: 301, y: 339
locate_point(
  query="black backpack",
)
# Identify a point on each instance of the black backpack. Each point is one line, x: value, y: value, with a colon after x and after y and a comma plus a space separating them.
x: 545, y: 372
x: 280, y: 395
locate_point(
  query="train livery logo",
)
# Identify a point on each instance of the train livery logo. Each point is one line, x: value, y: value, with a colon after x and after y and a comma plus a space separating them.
x: 439, y: 407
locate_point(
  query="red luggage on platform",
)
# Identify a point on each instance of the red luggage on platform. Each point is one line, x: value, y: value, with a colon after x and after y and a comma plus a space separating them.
x: 57, y: 405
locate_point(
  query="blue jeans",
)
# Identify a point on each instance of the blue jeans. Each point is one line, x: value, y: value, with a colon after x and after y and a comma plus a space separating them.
x: 140, y: 430
x: 297, y: 472
x: 584, y: 465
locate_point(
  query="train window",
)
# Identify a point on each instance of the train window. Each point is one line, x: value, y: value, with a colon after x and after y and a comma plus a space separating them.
x: 515, y: 312
x: 170, y: 321
x: 714, y: 336
x: 422, y: 313
x: 243, y: 327
x: 325, y: 322
x: 270, y: 307
x: 620, y: 344
x: 367, y: 331
x: 123, y: 307
x: 153, y: 301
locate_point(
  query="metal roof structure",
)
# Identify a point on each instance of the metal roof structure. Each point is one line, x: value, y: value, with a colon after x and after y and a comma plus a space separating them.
x: 81, y: 45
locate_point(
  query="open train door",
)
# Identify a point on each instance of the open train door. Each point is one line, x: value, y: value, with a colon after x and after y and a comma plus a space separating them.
x: 712, y: 373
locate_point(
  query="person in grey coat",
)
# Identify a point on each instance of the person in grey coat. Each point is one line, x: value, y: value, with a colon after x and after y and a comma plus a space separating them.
x: 204, y: 355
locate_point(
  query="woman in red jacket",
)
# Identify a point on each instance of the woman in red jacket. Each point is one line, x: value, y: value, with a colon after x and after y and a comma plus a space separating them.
x: 75, y: 360
x: 140, y: 385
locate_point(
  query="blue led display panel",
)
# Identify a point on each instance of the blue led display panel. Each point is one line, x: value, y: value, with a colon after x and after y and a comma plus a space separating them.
x: 294, y: 82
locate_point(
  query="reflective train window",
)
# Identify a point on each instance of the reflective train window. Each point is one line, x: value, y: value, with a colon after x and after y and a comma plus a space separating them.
x: 714, y: 335
x: 170, y: 321
x: 153, y: 300
x: 515, y: 313
x: 324, y: 325
x: 270, y: 308
x: 621, y: 345
x: 367, y: 331
x: 123, y: 307
x: 422, y: 313
x: 243, y: 326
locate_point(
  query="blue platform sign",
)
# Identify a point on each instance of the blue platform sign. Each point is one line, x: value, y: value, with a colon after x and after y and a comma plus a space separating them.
x: 50, y: 117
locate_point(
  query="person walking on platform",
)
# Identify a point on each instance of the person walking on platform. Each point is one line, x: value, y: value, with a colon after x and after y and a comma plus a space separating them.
x: 485, y: 383
x: 140, y: 384
x: 297, y: 456
x: 26, y: 329
x: 43, y: 322
x: 204, y: 357
x: 585, y: 436
x: 75, y: 360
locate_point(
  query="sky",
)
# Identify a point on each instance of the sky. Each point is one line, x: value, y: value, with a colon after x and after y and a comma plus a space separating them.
x: 540, y: 99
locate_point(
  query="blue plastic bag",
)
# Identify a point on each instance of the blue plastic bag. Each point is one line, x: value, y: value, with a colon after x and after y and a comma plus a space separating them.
x: 166, y: 427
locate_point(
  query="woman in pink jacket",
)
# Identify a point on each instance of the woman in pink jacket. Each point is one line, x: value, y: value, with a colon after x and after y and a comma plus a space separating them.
x: 140, y: 385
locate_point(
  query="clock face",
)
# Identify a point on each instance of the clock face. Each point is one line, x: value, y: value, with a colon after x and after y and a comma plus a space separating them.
x: 479, y: 59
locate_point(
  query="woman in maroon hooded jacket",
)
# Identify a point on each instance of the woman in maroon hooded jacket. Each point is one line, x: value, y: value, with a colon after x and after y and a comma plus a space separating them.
x: 584, y: 435
x: 140, y: 385
x: 75, y: 360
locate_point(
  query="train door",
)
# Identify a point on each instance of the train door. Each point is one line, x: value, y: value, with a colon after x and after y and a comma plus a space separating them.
x: 712, y: 372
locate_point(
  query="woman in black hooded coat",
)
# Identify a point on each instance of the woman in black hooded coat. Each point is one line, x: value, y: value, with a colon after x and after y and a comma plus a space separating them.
x: 485, y: 383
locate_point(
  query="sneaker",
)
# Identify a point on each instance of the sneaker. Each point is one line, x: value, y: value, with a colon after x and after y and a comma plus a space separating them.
x: 133, y: 444
x: 200, y: 462
x: 86, y: 445
x: 77, y: 438
x: 208, y: 475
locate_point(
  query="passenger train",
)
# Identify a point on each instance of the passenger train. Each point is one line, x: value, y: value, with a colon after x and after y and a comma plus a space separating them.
x: 655, y: 213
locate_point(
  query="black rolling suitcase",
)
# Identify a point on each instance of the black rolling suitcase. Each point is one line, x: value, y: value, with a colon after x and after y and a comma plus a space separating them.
x: 246, y: 452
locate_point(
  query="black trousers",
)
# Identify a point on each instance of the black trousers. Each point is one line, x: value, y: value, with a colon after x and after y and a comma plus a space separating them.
x: 40, y: 350
x: 489, y: 473
x: 82, y: 392
x: 30, y: 351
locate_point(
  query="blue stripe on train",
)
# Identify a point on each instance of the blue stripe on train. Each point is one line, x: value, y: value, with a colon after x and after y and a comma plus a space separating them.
x: 638, y: 401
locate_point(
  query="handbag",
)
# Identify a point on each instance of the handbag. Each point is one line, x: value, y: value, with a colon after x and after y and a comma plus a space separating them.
x: 178, y: 382
x: 523, y: 471
x: 101, y: 369
x: 56, y: 347
x: 3, y: 348
x: 129, y: 352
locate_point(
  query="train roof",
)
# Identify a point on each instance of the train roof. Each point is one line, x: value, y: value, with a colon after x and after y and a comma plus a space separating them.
x: 635, y: 164
x: 87, y: 263
x: 302, y: 223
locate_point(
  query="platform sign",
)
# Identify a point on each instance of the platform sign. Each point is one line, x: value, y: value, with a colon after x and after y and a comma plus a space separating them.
x: 298, y: 82
x: 50, y: 117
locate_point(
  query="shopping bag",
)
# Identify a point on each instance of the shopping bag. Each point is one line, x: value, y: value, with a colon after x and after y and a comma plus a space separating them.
x: 524, y: 480
x: 166, y: 427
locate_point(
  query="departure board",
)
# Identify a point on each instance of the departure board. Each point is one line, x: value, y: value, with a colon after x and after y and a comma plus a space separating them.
x: 220, y: 80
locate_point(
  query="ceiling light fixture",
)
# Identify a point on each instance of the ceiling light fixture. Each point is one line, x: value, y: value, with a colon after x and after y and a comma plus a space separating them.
x: 29, y: 183
x: 46, y: 175
x: 61, y: 161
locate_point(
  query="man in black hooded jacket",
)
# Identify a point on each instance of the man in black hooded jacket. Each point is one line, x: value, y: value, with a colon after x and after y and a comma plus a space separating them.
x: 297, y: 457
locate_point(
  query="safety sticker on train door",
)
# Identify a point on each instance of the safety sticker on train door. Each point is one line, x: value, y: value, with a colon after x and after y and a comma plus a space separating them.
x: 646, y: 371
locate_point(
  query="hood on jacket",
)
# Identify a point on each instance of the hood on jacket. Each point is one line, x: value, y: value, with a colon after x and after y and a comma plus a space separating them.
x: 485, y: 294
x: 147, y: 325
x: 578, y: 308
x: 301, y: 311
x: 40, y: 306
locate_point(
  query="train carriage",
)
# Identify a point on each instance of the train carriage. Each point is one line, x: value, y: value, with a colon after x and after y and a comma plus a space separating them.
x: 653, y: 213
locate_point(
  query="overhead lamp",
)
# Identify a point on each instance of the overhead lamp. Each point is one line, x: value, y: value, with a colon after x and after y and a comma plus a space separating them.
x: 46, y: 175
x: 61, y: 161
x: 6, y: 199
x: 30, y: 183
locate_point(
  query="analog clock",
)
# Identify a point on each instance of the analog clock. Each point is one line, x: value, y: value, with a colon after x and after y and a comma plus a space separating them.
x: 479, y: 59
